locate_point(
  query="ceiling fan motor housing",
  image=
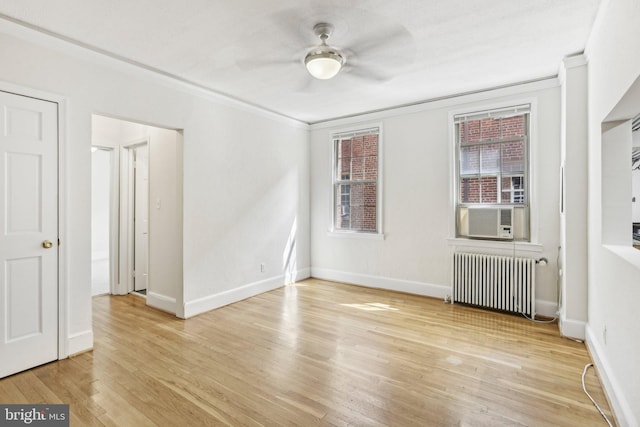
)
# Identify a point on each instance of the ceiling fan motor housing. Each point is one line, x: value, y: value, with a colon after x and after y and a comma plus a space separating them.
x: 323, y: 62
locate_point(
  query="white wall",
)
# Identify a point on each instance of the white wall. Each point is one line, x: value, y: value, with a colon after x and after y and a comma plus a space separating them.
x: 245, y: 188
x: 165, y: 287
x: 614, y: 286
x: 573, y: 221
x: 418, y: 214
x: 246, y: 172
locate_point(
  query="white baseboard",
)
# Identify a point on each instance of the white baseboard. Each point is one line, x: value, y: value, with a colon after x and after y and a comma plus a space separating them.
x: 620, y: 405
x: 211, y: 302
x: 80, y: 342
x: 303, y: 273
x: 572, y: 328
x: 408, y: 286
x: 161, y: 302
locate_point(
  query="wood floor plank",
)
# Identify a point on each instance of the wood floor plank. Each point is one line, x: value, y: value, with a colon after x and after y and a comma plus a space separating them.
x: 318, y: 354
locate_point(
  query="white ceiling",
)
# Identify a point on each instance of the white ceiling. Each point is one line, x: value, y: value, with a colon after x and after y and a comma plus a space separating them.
x: 398, y: 52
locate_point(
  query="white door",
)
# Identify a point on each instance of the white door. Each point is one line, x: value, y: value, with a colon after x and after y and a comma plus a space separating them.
x: 29, y: 243
x: 141, y: 218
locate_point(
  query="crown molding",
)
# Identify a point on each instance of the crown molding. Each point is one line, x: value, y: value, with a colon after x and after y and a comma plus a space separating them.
x: 65, y: 45
x: 444, y: 102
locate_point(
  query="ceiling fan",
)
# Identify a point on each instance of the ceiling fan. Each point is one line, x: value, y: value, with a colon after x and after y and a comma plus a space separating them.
x: 378, y: 51
x: 323, y: 61
x: 376, y: 57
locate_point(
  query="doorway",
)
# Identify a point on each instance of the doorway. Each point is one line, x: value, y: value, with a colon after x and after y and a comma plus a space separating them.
x: 146, y: 240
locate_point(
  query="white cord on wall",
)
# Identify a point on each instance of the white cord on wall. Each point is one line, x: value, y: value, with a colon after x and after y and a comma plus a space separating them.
x: 543, y: 262
x: 584, y: 387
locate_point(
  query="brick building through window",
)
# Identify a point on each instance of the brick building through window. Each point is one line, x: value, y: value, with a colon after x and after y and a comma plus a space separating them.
x: 356, y: 181
x: 493, y: 161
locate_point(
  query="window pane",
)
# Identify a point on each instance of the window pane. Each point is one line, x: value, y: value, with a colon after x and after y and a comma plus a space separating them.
x: 513, y: 189
x: 357, y: 158
x: 469, y: 132
x: 470, y: 160
x: 490, y: 129
x: 513, y: 157
x: 364, y: 211
x: 343, y: 206
x: 490, y: 158
x: 344, y: 148
x: 518, y: 197
x: 357, y: 146
x: 343, y: 159
x: 371, y: 167
x: 343, y: 168
x: 470, y: 190
x: 356, y: 207
x: 357, y: 167
x: 489, y: 189
x: 513, y: 127
x: 370, y: 145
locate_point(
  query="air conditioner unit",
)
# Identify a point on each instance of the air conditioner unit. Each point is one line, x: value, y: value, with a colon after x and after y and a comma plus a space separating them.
x: 491, y: 222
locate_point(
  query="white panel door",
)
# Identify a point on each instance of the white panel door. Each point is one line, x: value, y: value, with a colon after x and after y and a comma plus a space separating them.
x: 141, y: 218
x: 29, y: 243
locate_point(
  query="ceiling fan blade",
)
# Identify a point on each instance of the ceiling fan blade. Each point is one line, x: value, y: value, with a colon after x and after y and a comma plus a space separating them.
x: 393, y: 46
x: 253, y: 63
x: 367, y: 73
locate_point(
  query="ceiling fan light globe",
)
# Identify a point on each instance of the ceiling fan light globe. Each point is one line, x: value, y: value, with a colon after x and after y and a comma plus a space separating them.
x: 323, y: 65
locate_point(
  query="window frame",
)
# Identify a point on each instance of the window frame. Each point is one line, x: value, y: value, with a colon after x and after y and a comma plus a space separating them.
x: 456, y: 118
x: 335, y: 137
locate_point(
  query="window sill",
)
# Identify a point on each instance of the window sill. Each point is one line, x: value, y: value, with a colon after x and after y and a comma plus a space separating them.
x: 628, y: 253
x: 355, y: 235
x: 520, y: 247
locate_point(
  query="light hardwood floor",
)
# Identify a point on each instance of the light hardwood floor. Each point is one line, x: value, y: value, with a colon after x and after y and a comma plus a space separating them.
x: 317, y: 353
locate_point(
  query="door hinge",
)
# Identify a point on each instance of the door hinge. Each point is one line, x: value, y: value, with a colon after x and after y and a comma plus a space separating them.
x: 58, y: 242
x: 133, y: 273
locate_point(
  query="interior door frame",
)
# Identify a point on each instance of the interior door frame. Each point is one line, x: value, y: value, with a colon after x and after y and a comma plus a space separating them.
x: 126, y: 214
x: 63, y: 202
x: 114, y: 214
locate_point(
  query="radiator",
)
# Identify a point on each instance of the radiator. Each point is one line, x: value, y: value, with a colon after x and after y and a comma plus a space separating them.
x: 496, y: 282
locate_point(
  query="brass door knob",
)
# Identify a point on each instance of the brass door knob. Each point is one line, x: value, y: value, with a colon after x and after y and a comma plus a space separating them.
x: 47, y: 244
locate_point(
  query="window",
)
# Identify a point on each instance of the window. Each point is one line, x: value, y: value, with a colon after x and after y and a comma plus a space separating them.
x: 355, y: 181
x: 513, y: 189
x: 492, y: 167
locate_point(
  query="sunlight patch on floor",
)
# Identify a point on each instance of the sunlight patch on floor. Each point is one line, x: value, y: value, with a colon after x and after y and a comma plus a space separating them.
x: 372, y: 306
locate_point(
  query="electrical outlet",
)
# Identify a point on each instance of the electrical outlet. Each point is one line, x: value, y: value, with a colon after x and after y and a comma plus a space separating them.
x: 263, y: 267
